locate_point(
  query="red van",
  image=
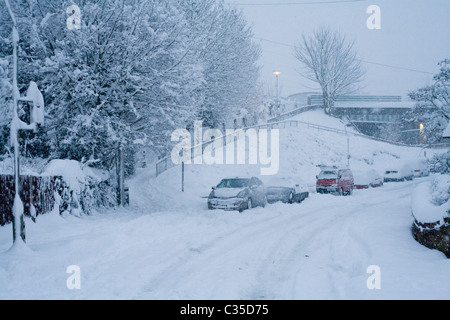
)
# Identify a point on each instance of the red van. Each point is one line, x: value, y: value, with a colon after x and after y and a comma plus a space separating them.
x: 335, y: 180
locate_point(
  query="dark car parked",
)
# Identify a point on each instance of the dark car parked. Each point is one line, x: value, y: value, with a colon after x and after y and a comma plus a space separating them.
x: 238, y: 194
x: 286, y: 194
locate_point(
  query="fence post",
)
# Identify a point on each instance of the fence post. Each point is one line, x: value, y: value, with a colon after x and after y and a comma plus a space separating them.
x: 182, y: 177
x: 120, y: 177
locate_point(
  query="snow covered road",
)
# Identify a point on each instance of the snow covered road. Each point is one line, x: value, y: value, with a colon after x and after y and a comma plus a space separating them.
x: 320, y: 249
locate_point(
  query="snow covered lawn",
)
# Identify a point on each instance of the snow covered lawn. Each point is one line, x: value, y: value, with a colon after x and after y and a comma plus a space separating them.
x: 320, y: 249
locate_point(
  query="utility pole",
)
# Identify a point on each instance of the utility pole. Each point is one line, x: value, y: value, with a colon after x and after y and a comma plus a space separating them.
x: 120, y: 177
x: 348, y: 148
x: 348, y: 151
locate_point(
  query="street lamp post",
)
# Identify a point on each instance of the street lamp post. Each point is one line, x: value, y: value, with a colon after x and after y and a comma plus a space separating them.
x: 422, y: 128
x: 277, y: 74
x: 348, y: 148
x: 18, y: 220
x: 34, y: 96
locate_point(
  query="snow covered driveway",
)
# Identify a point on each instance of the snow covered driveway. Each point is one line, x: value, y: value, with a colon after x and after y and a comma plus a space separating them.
x: 320, y: 249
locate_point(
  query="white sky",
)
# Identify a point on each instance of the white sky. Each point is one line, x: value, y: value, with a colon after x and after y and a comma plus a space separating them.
x: 414, y: 34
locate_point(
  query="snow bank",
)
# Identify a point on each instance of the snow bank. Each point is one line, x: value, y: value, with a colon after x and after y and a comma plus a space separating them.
x: 431, y: 201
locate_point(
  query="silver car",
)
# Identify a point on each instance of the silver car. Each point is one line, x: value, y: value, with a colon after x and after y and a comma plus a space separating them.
x: 238, y: 194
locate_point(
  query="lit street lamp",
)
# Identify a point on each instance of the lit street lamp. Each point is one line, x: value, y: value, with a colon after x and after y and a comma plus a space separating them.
x: 422, y: 128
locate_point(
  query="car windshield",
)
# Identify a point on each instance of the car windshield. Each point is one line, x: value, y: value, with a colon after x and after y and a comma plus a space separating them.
x: 329, y: 174
x: 233, y: 183
x: 391, y: 172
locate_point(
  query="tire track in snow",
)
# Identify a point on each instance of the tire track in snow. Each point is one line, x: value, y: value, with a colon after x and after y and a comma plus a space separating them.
x: 238, y: 243
x: 312, y: 231
x: 340, y: 237
x: 195, y: 257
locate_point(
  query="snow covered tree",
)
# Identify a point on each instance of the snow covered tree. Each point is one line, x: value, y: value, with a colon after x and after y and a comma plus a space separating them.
x: 229, y: 58
x: 170, y: 75
x: 135, y: 70
x: 433, y: 104
x: 330, y: 60
x: 107, y: 81
x: 5, y: 102
x: 231, y: 71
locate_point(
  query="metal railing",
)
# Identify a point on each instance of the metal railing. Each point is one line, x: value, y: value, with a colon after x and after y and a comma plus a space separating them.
x: 294, y: 113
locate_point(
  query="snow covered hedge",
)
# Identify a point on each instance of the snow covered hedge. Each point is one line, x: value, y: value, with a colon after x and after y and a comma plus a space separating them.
x: 83, y: 188
x: 431, y: 210
x: 80, y: 188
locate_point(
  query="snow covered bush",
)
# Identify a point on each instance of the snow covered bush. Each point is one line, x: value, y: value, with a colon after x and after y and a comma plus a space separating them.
x: 431, y: 210
x: 441, y: 163
x: 82, y: 188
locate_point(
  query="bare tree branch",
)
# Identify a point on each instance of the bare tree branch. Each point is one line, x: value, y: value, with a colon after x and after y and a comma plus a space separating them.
x: 330, y: 60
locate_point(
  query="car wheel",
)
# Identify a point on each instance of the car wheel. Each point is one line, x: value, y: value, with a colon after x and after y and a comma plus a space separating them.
x: 341, y: 192
x: 291, y: 198
x: 249, y: 204
x: 351, y: 191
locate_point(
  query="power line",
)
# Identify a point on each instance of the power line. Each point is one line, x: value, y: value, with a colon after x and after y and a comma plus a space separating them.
x: 395, y: 67
x: 361, y: 60
x: 298, y: 3
x: 275, y: 42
